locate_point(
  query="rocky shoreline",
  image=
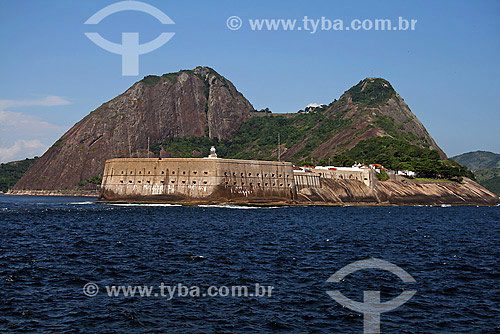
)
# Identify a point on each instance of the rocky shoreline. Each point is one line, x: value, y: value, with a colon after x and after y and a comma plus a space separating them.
x: 338, y: 193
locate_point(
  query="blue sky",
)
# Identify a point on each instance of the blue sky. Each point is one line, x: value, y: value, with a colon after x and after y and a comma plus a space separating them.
x: 446, y: 70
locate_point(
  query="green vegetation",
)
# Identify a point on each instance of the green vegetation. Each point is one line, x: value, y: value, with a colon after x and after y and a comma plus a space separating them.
x: 151, y: 80
x: 489, y: 178
x: 258, y: 138
x: 486, y: 168
x: 397, y: 154
x: 479, y: 160
x: 371, y: 92
x: 11, y: 172
x: 92, y: 180
x: 382, y: 176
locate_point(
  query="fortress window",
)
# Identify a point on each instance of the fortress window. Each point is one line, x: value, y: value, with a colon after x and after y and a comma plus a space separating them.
x: 258, y: 174
x: 184, y: 172
x: 234, y: 183
x: 206, y: 173
x: 274, y: 184
x: 130, y: 181
x: 281, y: 184
x: 227, y: 182
x: 173, y: 172
x: 267, y: 184
x: 225, y: 173
x: 249, y: 174
x: 195, y: 172
x: 183, y: 181
x: 258, y: 184
x: 172, y: 181
x: 251, y: 183
x: 149, y: 172
x: 289, y: 184
x: 242, y: 183
x: 194, y: 182
x: 287, y: 175
x: 130, y: 172
x: 148, y: 181
x: 122, y: 172
x: 162, y: 181
x: 265, y: 175
x: 204, y: 182
x: 273, y: 175
x: 242, y: 174
x: 138, y: 181
x: 163, y: 172
x: 121, y: 181
x: 139, y: 172
x: 234, y: 174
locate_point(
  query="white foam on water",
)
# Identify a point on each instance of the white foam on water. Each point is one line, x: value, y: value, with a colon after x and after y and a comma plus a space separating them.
x: 82, y: 203
x: 143, y: 204
x: 445, y: 205
x: 241, y: 207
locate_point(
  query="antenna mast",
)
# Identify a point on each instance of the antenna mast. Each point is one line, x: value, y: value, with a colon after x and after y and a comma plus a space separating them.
x: 279, y: 147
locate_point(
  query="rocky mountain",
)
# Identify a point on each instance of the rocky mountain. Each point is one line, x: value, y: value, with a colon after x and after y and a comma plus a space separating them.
x: 374, y: 109
x: 184, y: 113
x: 197, y: 102
x: 486, y: 168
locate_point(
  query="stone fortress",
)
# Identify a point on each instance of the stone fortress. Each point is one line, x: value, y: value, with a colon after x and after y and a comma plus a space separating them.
x: 213, y: 179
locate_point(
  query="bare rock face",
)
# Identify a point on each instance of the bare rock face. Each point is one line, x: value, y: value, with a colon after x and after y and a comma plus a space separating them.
x: 187, y: 103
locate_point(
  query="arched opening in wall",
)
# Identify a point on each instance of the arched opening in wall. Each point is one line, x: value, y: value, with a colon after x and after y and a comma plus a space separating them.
x: 206, y: 173
x: 139, y: 172
x: 250, y: 184
x: 163, y: 172
x: 149, y: 172
x: 194, y: 182
x: 204, y: 182
x: 234, y: 183
x: 121, y: 181
x: 234, y: 173
x: 172, y: 181
x: 258, y: 184
x: 162, y: 182
x: 242, y: 174
x: 183, y: 181
x: 225, y: 173
x: 149, y: 182
x: 138, y: 181
x: 249, y: 174
x: 122, y: 172
x: 279, y: 175
x: 130, y: 181
x: 195, y: 172
x: 130, y: 172
x: 184, y: 173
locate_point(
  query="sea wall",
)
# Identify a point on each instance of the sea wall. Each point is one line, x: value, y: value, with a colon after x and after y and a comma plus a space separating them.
x: 195, y: 179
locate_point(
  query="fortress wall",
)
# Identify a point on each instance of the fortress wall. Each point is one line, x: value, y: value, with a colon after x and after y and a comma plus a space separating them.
x: 195, y: 178
x: 365, y: 175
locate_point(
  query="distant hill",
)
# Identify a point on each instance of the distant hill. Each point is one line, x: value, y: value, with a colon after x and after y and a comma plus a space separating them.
x: 478, y: 160
x: 11, y: 172
x: 182, y: 114
x: 486, y: 168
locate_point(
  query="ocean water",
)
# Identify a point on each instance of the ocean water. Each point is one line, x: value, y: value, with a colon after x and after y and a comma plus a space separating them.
x: 51, y: 247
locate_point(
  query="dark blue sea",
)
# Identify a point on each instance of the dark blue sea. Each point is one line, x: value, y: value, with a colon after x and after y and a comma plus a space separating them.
x: 53, y: 247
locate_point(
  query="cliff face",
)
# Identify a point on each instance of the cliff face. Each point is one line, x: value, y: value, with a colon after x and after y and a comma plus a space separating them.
x: 188, y: 103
